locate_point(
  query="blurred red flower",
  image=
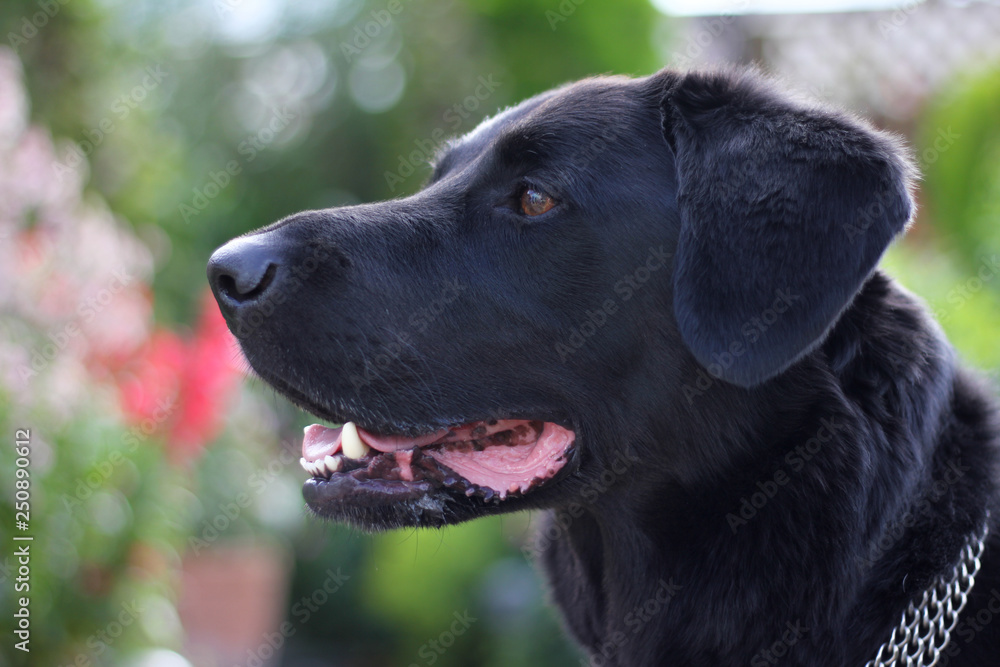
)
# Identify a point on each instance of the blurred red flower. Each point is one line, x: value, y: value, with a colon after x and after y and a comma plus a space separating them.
x: 181, y: 386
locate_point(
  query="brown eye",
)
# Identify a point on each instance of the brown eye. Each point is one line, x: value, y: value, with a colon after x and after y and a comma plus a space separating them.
x: 534, y: 202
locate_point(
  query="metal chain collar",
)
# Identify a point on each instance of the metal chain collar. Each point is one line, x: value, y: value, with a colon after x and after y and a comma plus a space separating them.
x: 925, y: 629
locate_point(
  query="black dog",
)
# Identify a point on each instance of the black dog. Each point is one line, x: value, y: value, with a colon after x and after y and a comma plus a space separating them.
x: 650, y: 307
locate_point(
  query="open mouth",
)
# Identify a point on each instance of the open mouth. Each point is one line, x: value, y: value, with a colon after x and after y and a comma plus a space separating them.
x: 489, y: 459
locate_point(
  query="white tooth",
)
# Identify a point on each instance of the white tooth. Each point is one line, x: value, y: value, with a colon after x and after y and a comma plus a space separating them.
x: 351, y: 443
x: 305, y: 464
x: 333, y: 463
x: 321, y: 468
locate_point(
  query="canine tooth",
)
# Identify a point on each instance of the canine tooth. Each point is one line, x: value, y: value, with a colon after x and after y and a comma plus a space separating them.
x: 351, y: 443
x: 333, y: 463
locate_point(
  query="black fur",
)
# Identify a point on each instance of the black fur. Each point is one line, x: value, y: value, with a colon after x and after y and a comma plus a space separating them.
x: 775, y: 448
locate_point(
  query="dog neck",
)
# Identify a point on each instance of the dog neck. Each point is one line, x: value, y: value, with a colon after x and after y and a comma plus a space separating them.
x: 827, y: 484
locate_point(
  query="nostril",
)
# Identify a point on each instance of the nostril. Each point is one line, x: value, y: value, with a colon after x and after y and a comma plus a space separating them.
x: 241, y: 271
x: 245, y: 288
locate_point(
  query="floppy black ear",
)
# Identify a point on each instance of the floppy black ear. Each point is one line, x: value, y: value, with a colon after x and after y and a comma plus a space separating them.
x: 785, y: 210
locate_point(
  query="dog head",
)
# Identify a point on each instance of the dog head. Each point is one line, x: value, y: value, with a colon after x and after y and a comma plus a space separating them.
x: 551, y: 304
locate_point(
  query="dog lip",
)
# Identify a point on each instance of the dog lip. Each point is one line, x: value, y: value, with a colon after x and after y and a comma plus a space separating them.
x: 340, y: 488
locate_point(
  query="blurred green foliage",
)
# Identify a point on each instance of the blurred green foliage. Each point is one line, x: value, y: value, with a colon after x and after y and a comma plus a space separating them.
x: 224, y: 83
x: 98, y: 581
x: 220, y: 124
x: 304, y: 105
x: 959, y: 150
x: 952, y: 258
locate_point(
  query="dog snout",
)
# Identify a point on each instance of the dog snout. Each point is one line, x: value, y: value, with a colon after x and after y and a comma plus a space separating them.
x: 242, y: 272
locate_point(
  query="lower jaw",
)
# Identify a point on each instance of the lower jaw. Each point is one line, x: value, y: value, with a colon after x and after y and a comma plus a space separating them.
x: 379, y: 475
x: 378, y: 505
x: 344, y: 489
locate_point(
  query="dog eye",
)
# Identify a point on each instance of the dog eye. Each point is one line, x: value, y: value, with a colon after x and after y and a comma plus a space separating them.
x: 535, y: 202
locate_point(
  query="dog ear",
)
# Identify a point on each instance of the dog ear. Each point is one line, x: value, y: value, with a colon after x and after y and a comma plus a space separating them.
x: 785, y: 209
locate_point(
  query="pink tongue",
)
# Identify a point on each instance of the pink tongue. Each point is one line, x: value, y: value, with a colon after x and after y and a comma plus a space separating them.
x: 390, y: 443
x: 318, y: 441
x: 511, y: 469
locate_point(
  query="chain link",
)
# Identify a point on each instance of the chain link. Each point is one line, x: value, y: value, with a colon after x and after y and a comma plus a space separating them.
x: 925, y: 629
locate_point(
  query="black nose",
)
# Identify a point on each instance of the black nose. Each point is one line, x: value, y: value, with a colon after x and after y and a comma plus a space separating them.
x: 242, y: 271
